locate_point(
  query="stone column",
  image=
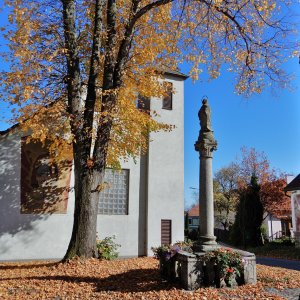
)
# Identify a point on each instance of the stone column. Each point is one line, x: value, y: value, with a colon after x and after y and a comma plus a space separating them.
x: 205, y: 145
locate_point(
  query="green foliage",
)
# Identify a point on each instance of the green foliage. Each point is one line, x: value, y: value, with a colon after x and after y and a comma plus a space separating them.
x: 246, y: 230
x: 277, y: 250
x: 186, y: 222
x: 107, y: 248
x: 192, y: 234
x: 264, y: 232
x: 284, y: 241
x: 263, y: 229
x: 188, y: 242
x: 161, y: 252
x: 225, y: 194
x: 230, y: 263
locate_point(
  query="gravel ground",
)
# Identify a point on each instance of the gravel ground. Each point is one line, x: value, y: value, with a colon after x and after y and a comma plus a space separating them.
x: 289, y: 294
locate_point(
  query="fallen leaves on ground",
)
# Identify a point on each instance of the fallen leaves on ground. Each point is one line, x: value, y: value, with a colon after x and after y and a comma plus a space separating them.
x: 279, y: 278
x: 136, y: 278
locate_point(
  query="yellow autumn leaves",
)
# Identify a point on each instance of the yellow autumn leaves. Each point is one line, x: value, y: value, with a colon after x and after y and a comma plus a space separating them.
x: 206, y: 34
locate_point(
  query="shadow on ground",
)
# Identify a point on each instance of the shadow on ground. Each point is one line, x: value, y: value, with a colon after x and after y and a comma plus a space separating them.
x: 138, y: 280
x: 11, y: 266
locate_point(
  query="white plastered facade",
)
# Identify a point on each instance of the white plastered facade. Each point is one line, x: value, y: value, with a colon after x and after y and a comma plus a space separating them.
x: 156, y: 192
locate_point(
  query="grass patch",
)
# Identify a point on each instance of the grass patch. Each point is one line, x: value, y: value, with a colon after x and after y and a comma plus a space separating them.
x: 277, y: 250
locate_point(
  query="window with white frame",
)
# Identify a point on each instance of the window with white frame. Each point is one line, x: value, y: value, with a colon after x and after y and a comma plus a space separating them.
x: 114, y: 198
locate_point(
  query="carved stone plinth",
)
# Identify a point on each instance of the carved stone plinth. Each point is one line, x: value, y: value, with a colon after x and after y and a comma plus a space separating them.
x: 193, y: 273
x: 190, y: 271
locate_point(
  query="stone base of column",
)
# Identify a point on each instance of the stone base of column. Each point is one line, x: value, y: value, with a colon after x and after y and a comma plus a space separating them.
x: 193, y: 274
x: 206, y: 243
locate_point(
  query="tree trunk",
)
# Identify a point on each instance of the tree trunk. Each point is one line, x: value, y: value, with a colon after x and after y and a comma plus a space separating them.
x: 87, y: 181
x: 83, y: 239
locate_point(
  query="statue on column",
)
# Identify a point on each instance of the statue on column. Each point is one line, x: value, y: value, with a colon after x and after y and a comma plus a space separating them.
x: 204, y: 116
x: 206, y: 136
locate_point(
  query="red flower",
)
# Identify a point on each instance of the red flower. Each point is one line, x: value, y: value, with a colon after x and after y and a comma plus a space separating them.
x: 230, y: 270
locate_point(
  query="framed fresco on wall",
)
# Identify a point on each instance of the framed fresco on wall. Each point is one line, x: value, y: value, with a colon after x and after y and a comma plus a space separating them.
x: 45, y: 184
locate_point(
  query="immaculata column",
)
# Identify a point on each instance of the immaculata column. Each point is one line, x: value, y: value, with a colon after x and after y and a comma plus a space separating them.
x: 205, y: 145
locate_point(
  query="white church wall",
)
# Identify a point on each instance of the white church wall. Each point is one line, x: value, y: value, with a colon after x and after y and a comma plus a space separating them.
x: 27, y: 236
x: 166, y: 171
x: 155, y: 192
x: 125, y: 228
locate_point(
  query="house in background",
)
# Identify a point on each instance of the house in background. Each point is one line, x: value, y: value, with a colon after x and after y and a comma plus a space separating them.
x: 193, y: 223
x: 193, y: 217
x: 279, y: 224
x: 143, y: 207
x: 293, y: 187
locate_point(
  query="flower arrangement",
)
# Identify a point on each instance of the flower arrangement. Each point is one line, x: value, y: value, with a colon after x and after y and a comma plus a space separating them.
x: 229, y: 263
x: 166, y: 252
x: 167, y: 258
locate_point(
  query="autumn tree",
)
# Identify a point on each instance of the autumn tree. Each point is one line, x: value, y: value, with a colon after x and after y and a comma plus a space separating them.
x: 271, y: 182
x: 273, y: 197
x: 232, y: 186
x: 77, y: 67
x: 252, y: 162
x: 226, y: 193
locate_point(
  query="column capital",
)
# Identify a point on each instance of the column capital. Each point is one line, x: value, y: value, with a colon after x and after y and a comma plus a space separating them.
x: 206, y: 147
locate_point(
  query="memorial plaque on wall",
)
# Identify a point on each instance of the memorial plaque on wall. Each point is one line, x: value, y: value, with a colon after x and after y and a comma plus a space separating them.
x: 45, y: 184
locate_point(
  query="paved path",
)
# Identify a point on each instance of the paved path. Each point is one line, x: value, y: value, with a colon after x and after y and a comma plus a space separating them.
x: 278, y: 262
x: 289, y: 294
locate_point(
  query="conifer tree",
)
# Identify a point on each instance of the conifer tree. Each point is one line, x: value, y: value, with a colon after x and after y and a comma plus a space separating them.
x: 246, y: 229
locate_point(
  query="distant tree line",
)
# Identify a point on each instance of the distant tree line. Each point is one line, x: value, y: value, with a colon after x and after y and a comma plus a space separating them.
x: 245, y: 193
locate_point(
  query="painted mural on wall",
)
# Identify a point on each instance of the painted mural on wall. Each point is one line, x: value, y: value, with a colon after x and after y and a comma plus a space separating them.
x: 297, y: 211
x: 44, y: 184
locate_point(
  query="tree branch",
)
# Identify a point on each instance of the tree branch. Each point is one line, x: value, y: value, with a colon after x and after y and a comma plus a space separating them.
x: 125, y: 44
x: 73, y: 64
x: 93, y: 74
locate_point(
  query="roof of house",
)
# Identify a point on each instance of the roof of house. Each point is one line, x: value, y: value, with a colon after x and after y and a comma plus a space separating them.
x: 284, y: 211
x: 8, y: 130
x: 294, y: 185
x: 175, y: 73
x: 194, y: 211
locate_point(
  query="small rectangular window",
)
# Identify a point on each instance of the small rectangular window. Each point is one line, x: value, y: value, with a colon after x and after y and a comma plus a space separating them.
x: 143, y: 103
x: 196, y: 221
x: 168, y: 97
x: 113, y: 200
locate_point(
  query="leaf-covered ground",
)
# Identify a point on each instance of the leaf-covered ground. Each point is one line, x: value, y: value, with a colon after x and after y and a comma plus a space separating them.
x: 136, y: 278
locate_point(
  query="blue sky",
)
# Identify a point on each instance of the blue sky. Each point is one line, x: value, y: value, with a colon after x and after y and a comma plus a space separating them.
x: 266, y: 122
